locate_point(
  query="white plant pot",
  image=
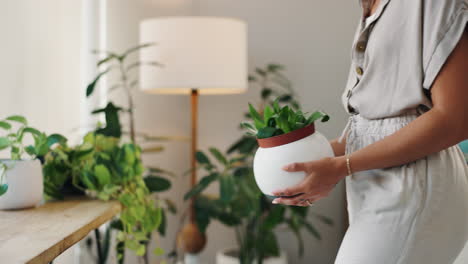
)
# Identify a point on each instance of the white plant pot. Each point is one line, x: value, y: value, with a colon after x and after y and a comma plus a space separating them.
x: 301, y: 145
x: 25, y: 184
x: 223, y: 257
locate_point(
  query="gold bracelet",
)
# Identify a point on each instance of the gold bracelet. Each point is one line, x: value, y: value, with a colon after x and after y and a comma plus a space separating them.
x: 348, y: 165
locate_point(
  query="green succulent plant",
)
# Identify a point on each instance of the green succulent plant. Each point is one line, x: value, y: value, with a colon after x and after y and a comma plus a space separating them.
x: 277, y: 120
x: 16, y: 128
x: 239, y: 203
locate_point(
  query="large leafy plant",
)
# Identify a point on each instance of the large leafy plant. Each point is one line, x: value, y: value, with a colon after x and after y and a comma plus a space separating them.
x: 278, y: 120
x: 16, y: 128
x: 239, y: 203
x: 107, y: 168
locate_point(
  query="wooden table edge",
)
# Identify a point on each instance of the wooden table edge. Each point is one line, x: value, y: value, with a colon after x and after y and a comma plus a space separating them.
x: 54, y: 251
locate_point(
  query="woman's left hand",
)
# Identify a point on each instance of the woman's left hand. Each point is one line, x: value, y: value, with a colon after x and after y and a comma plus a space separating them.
x: 321, y: 177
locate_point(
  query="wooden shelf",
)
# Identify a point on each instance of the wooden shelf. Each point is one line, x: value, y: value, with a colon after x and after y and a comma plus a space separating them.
x: 40, y: 234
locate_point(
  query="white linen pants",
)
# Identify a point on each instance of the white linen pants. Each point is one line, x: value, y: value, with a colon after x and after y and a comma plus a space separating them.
x: 411, y: 214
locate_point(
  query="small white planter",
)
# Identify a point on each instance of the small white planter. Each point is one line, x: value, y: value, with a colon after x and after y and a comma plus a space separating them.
x: 25, y: 184
x: 226, y: 257
x: 274, y: 153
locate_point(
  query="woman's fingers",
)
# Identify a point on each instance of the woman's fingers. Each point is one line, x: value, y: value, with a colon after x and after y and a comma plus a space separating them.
x: 294, y: 190
x: 295, y: 167
x: 304, y: 199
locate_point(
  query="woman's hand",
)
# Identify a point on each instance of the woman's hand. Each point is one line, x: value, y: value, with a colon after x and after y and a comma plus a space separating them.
x: 322, y: 176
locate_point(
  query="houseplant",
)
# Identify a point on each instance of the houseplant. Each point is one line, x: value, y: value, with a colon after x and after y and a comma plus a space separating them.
x: 21, y: 180
x: 108, y: 165
x: 240, y: 203
x: 284, y: 136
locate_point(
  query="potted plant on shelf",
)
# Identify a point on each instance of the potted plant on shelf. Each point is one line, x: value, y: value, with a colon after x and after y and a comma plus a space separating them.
x: 21, y: 180
x: 107, y: 165
x: 240, y: 204
x: 284, y: 136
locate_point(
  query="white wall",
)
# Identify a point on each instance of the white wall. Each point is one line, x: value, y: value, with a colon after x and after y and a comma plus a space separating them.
x: 312, y: 38
x: 40, y: 62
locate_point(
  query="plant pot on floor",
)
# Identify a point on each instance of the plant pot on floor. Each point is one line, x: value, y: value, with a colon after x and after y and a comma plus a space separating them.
x: 25, y: 184
x: 302, y: 145
x: 230, y: 256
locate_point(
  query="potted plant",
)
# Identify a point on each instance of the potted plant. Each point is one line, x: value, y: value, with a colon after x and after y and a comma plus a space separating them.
x: 284, y: 136
x: 239, y: 202
x: 21, y: 179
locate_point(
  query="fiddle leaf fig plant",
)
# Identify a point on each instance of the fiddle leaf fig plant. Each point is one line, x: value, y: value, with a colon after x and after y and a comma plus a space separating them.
x: 278, y: 120
x: 15, y: 128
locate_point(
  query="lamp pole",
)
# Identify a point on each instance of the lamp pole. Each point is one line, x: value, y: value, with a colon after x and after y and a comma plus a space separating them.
x: 193, y: 179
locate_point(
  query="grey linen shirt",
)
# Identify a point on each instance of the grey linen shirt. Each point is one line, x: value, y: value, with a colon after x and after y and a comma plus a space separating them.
x: 398, y: 53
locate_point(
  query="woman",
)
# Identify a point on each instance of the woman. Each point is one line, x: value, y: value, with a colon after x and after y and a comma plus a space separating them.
x: 407, y: 94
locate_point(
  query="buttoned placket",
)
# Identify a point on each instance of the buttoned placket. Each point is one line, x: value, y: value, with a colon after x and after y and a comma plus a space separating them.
x: 358, y: 56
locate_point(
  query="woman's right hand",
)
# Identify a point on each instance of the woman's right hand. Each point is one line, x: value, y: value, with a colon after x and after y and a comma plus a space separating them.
x: 338, y: 148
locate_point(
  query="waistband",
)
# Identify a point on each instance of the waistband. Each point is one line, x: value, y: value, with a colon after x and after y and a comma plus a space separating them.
x: 382, y: 126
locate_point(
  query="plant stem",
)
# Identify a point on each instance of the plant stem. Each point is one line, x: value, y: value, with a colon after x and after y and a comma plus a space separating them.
x: 130, y: 102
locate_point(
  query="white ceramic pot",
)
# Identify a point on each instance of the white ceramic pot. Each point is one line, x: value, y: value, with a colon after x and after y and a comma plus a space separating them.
x: 274, y: 153
x: 226, y: 257
x: 25, y: 184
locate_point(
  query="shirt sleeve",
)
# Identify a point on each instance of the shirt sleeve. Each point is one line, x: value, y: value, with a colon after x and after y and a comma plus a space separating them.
x: 444, y: 22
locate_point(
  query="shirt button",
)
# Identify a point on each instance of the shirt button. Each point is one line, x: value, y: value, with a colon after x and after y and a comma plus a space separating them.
x: 359, y: 71
x: 361, y: 46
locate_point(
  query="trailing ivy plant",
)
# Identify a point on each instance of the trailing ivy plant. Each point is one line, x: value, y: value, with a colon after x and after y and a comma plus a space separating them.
x: 278, y: 120
x: 15, y: 129
x: 240, y: 204
x: 109, y: 170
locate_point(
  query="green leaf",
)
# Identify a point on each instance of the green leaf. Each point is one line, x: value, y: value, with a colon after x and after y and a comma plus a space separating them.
x: 202, y: 158
x: 258, y: 119
x: 249, y: 126
x: 56, y: 138
x: 275, y: 67
x: 204, y: 182
x: 226, y: 188
x: 276, y: 107
x: 252, y: 78
x: 163, y: 224
x: 260, y: 72
x: 102, y: 174
x: 317, y: 115
x: 217, y: 154
x: 18, y: 118
x: 285, y: 98
x: 267, y: 113
x: 274, y: 218
x: 157, y: 183
x: 266, y: 132
x: 266, y: 92
x: 111, y: 56
x: 4, y: 143
x: 92, y: 85
x: 136, y: 48
x: 5, y: 125
x: 158, y: 251
x: 326, y: 220
x: 312, y: 230
x: 30, y: 150
x: 32, y: 131
x: 3, y: 189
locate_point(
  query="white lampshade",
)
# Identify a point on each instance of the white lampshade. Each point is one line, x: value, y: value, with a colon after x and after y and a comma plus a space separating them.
x: 204, y: 53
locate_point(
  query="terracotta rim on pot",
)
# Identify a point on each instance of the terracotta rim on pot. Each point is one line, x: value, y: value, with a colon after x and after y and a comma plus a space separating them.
x: 286, y: 138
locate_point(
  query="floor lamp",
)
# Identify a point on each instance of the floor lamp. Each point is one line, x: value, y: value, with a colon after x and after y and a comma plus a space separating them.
x: 201, y: 55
